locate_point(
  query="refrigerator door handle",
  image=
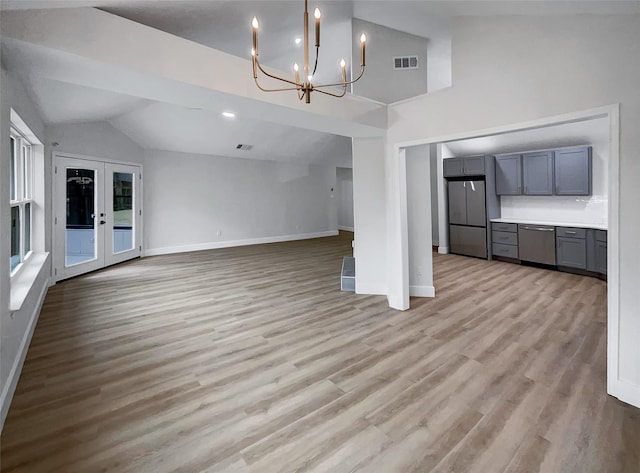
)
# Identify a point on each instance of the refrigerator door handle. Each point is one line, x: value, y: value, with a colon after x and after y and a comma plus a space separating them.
x: 473, y: 188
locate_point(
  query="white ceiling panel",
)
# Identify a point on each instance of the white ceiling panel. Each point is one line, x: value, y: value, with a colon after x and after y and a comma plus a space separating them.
x: 172, y: 128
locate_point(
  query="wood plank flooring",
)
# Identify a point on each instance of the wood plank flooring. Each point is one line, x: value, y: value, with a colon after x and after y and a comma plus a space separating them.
x: 252, y: 360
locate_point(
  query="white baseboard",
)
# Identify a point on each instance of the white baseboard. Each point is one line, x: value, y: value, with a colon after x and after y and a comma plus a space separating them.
x: 443, y: 250
x: 346, y: 229
x: 231, y: 243
x: 626, y: 392
x: 422, y: 291
x: 14, y: 375
x: 371, y: 289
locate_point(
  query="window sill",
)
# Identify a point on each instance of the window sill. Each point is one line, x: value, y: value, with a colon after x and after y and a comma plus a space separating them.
x: 22, y: 282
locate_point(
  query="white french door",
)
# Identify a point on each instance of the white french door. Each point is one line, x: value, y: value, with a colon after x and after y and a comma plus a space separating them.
x: 97, y: 214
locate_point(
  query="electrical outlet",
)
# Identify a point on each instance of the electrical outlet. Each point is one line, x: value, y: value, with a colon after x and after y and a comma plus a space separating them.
x: 219, y: 233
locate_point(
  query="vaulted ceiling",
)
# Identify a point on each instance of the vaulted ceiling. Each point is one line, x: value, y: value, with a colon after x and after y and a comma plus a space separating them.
x: 224, y: 25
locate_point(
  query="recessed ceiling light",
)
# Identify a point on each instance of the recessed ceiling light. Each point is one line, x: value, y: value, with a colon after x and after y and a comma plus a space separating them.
x: 228, y: 114
x: 298, y: 40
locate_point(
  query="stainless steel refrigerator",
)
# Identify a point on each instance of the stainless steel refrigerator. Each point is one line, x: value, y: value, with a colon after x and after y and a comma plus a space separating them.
x: 467, y: 218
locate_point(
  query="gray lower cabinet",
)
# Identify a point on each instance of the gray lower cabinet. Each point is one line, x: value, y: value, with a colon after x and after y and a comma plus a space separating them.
x: 572, y: 168
x: 504, y: 240
x: 571, y: 252
x: 601, y: 257
x: 537, y: 173
x: 600, y: 251
x: 509, y: 174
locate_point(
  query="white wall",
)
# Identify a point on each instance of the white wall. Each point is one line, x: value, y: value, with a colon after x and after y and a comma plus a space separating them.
x: 433, y: 181
x: 369, y: 199
x: 344, y: 198
x: 15, y: 327
x: 418, y: 165
x: 195, y: 202
x: 517, y: 69
x: 381, y: 81
x: 95, y: 139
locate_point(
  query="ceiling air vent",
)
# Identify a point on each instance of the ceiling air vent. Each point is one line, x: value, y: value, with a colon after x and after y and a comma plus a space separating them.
x: 244, y: 147
x: 405, y: 62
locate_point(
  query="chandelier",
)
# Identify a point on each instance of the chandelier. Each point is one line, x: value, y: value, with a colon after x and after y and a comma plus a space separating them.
x: 305, y: 87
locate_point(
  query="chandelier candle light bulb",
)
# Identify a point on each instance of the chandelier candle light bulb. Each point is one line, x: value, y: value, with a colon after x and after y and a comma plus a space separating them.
x: 316, y: 14
x: 305, y: 88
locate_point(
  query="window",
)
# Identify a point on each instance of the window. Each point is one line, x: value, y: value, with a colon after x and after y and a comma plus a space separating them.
x: 21, y: 189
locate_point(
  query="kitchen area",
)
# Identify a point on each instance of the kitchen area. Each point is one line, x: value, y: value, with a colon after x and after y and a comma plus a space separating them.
x: 539, y: 198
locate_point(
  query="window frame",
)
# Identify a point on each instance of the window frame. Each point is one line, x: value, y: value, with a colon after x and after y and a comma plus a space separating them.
x: 23, y: 178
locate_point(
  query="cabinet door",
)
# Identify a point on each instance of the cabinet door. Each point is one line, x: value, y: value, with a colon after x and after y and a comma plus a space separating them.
x: 509, y: 174
x: 537, y: 173
x: 601, y: 257
x: 473, y: 166
x: 476, y: 208
x: 573, y: 171
x: 457, y: 203
x: 571, y: 252
x: 452, y: 167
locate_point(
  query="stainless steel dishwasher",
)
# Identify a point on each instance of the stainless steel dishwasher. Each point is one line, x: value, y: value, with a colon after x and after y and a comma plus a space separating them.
x: 537, y: 244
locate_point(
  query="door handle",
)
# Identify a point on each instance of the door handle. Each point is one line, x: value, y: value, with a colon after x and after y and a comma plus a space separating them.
x: 102, y: 222
x: 538, y: 229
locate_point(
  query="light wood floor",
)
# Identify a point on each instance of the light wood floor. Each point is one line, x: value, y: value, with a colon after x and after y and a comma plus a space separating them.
x: 252, y: 360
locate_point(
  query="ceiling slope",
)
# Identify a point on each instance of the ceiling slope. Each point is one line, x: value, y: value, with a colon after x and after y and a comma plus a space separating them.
x: 93, y: 48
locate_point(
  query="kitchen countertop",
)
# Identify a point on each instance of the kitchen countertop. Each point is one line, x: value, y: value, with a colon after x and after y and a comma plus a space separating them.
x: 597, y: 226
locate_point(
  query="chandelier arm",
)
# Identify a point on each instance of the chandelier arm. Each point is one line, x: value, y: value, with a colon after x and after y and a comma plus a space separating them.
x: 275, y: 77
x: 340, y: 84
x: 329, y: 93
x: 276, y: 90
x: 315, y: 66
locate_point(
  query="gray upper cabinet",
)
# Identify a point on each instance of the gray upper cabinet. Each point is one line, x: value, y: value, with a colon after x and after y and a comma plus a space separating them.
x: 573, y: 171
x: 509, y: 174
x: 452, y: 167
x: 467, y: 166
x: 473, y: 166
x: 537, y: 173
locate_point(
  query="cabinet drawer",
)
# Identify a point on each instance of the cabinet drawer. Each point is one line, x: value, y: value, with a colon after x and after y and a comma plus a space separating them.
x: 507, y: 251
x: 505, y: 227
x: 601, y: 235
x: 570, y: 232
x: 505, y: 238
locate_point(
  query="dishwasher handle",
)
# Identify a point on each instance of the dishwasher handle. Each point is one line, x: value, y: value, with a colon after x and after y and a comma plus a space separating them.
x: 539, y: 229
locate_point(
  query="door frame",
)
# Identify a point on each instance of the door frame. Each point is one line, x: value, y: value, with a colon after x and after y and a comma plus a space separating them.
x: 399, y: 272
x: 55, y: 156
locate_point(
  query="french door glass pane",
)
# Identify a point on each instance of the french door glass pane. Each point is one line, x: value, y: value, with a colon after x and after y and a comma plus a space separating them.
x: 15, y: 237
x: 27, y: 228
x: 122, y: 212
x: 13, y: 170
x: 80, y: 224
